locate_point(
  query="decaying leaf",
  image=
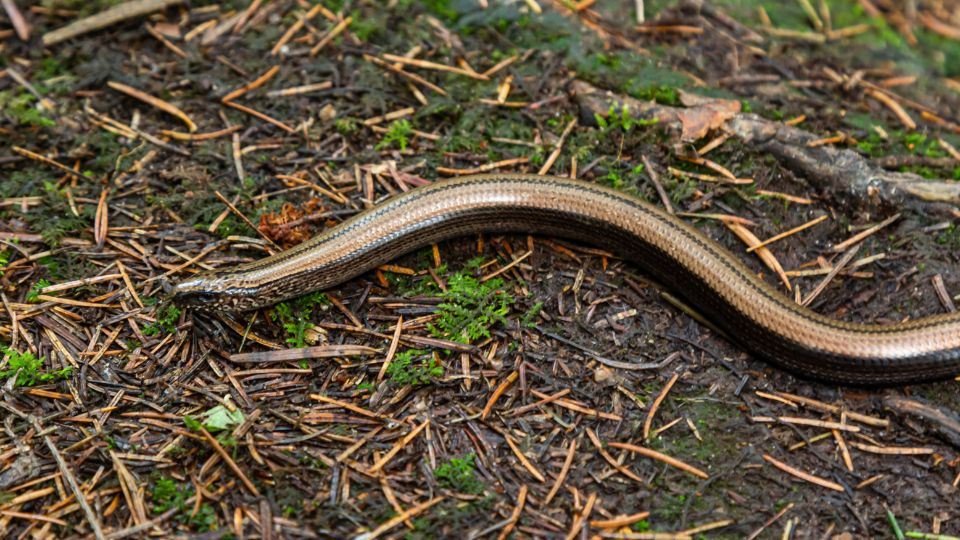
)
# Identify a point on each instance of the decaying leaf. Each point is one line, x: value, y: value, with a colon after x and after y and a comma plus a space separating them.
x: 703, y: 114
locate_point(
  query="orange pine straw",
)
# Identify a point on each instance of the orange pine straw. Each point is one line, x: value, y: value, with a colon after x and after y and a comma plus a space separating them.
x: 398, y: 446
x: 294, y: 28
x: 399, y: 518
x: 764, y: 253
x: 180, y: 136
x: 56, y: 164
x: 653, y: 454
x: 930, y: 117
x: 530, y: 467
x: 253, y: 85
x: 484, y: 168
x: 515, y: 515
x: 784, y: 196
x: 796, y: 120
x: 894, y: 107
x: 618, y: 522
x: 785, y: 234
x: 892, y: 450
x: 563, y: 473
x: 656, y: 405
x: 802, y: 475
x: 340, y: 27
x: 433, y: 65
x: 669, y: 28
x: 394, y: 115
x: 260, y: 115
x: 499, y: 392
x: 500, y: 65
x: 392, y: 350
x: 343, y: 404
x: 154, y: 102
x: 712, y: 165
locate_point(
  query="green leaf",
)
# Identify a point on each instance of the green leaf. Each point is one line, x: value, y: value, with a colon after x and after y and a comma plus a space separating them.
x: 33, y: 295
x: 221, y: 418
x: 191, y: 423
x: 894, y: 526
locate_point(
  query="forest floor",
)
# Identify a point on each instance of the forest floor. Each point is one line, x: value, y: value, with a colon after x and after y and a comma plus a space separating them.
x: 490, y: 385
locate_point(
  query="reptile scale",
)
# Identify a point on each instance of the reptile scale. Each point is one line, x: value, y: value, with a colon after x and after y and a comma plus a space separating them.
x: 705, y: 274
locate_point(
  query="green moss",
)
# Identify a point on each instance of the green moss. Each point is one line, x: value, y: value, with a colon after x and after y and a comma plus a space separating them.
x: 925, y: 172
x: 366, y: 28
x: 232, y: 225
x: 663, y: 94
x: 295, y: 316
x: 670, y: 507
x: 49, y: 68
x: 469, y: 126
x: 932, y: 54
x: 950, y: 237
x: 459, y: 474
x: 471, y: 308
x: 33, y: 295
x: 167, y: 318
x: 52, y: 218
x: 166, y: 494
x: 21, y: 108
x: 531, y: 315
x: 28, y: 369
x: 414, y: 366
x: 444, y: 9
x: 23, y: 182
x: 192, y: 197
x: 106, y: 149
x: 68, y: 265
x: 346, y: 126
x: 397, y: 135
x: 774, y: 114
x: 681, y: 189
x: 899, y: 143
x: 621, y: 120
x: 633, y: 74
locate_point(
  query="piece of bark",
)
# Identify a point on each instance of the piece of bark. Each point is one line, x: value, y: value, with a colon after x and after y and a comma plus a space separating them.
x: 24, y: 467
x: 943, y: 421
x: 839, y: 172
x: 895, y: 162
x: 108, y: 17
x: 844, y: 173
x: 720, y: 18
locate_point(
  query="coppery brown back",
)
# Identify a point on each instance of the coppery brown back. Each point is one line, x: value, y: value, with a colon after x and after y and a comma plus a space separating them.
x: 701, y: 271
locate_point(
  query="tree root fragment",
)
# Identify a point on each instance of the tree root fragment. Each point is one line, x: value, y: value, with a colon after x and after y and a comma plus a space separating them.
x: 943, y: 421
x: 838, y: 172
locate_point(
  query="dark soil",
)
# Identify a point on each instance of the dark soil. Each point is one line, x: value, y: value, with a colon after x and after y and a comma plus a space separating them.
x: 139, y: 398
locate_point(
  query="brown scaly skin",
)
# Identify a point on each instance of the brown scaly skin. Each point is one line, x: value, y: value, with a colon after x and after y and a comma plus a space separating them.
x: 705, y: 274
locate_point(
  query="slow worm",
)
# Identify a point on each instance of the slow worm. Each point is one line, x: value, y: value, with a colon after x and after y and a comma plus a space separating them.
x: 705, y: 274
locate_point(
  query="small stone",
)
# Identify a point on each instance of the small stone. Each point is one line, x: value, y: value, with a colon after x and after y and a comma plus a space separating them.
x: 604, y: 375
x: 327, y: 113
